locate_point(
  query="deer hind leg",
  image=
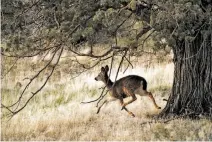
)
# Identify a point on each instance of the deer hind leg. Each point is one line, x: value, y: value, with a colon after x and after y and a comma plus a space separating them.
x: 128, y: 93
x: 152, y: 98
x: 143, y: 92
x: 130, y: 113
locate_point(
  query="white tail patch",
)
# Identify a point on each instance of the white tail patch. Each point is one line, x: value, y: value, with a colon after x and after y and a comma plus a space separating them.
x: 140, y: 91
x: 141, y: 82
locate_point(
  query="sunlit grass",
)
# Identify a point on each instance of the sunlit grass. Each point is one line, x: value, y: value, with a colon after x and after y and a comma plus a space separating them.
x: 56, y: 113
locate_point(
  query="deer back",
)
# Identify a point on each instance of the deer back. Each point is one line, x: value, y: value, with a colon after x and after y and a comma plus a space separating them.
x: 131, y: 83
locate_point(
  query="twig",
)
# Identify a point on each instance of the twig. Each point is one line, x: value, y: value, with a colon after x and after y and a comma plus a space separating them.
x: 122, y: 22
x: 146, y: 39
x: 31, y: 80
x: 129, y: 63
x: 10, y: 68
x: 56, y: 20
x: 95, y: 99
x: 92, y: 55
x: 33, y: 93
x: 24, y: 55
x: 111, y: 66
x: 101, y: 98
x: 122, y: 59
x: 101, y: 95
x: 25, y: 10
x: 78, y: 74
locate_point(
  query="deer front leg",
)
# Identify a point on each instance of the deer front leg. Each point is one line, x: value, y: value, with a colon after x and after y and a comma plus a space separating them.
x: 128, y: 93
x: 129, y: 112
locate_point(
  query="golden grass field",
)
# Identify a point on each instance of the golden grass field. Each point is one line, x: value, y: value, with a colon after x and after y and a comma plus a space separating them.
x: 57, y: 114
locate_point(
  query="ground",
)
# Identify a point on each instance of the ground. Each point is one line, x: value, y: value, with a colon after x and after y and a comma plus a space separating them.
x: 57, y: 114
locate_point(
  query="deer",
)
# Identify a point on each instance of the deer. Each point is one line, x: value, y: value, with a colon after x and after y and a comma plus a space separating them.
x: 127, y: 86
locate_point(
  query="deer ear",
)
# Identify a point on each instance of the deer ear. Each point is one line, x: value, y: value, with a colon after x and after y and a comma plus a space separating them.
x: 103, y: 69
x: 106, y: 68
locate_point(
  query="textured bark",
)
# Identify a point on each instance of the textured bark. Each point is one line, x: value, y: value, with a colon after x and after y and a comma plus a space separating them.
x: 192, y: 87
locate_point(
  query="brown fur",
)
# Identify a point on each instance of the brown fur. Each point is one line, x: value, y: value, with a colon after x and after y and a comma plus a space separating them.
x: 125, y: 87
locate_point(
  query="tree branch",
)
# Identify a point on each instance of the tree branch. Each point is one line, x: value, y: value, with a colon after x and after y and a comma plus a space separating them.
x: 33, y: 78
x: 16, y: 110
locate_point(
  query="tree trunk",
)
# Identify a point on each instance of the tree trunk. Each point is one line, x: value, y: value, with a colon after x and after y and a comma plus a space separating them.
x: 192, y: 87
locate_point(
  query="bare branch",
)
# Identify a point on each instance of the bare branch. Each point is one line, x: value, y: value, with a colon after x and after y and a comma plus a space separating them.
x: 2, y: 77
x: 95, y: 99
x: 91, y: 55
x: 79, y: 73
x: 3, y: 106
x: 166, y: 120
x: 24, y: 55
x: 146, y: 39
x: 102, y: 98
x: 16, y: 110
x: 143, y: 31
x: 129, y: 63
x: 111, y: 66
x: 122, y: 59
x: 101, y: 95
x: 122, y: 22
x: 31, y: 80
x: 56, y: 20
x: 28, y: 8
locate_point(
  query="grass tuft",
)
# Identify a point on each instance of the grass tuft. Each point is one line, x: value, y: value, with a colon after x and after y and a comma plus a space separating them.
x: 56, y: 113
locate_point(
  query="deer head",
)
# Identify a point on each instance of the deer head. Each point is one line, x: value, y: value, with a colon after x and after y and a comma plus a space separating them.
x: 103, y: 76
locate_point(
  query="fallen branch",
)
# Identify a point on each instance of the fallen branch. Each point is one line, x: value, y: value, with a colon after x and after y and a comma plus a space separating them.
x: 165, y: 120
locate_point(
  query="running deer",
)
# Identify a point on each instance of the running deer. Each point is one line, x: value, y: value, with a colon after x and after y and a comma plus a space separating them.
x: 125, y: 87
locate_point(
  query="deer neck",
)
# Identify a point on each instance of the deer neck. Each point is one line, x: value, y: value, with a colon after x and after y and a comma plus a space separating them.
x: 108, y: 83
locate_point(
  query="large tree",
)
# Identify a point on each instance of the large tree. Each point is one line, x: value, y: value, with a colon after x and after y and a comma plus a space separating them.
x: 32, y: 27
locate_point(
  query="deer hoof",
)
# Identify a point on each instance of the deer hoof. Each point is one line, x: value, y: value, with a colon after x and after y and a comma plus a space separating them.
x: 133, y: 115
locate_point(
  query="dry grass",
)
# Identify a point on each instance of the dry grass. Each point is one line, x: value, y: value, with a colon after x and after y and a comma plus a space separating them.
x: 77, y: 122
x: 56, y: 113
